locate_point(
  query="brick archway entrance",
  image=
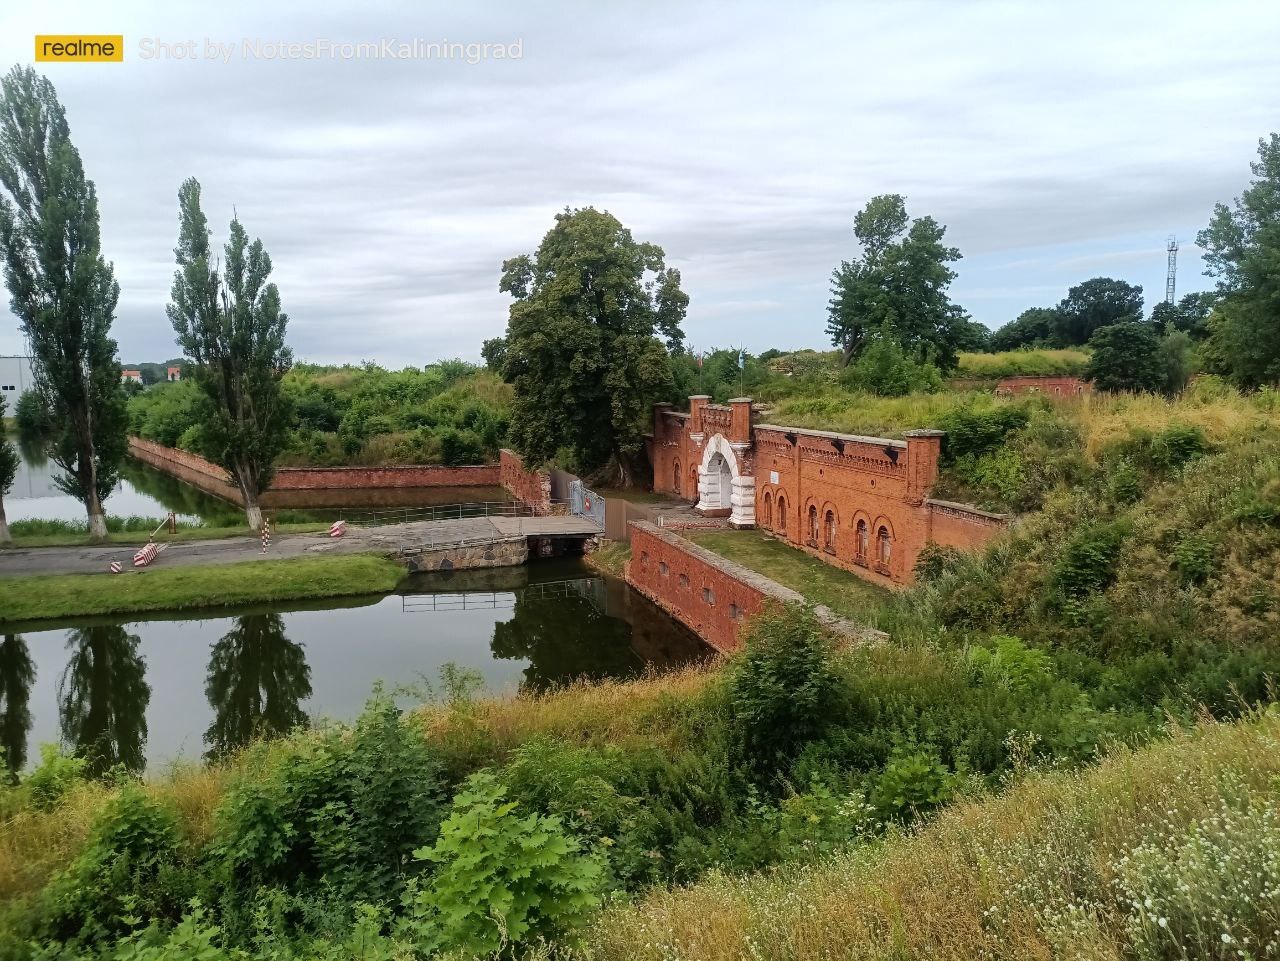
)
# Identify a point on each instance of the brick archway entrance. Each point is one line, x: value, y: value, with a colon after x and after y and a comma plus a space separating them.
x: 722, y: 488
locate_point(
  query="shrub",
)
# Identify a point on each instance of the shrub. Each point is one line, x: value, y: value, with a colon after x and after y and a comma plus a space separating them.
x: 974, y: 431
x: 344, y: 808
x: 935, y: 561
x: 1178, y: 445
x: 914, y: 782
x: 53, y: 776
x: 1194, y: 559
x: 501, y: 880
x: 884, y: 368
x: 781, y: 691
x: 1087, y: 565
x: 128, y: 873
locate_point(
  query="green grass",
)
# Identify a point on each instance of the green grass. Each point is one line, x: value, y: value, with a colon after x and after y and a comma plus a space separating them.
x: 610, y: 558
x: 43, y: 596
x: 76, y: 538
x: 1012, y: 363
x: 845, y: 593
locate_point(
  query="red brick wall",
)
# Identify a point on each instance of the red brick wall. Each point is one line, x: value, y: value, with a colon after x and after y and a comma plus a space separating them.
x: 213, y: 479
x: 712, y: 596
x: 424, y: 475
x: 860, y: 483
x: 673, y: 455
x: 531, y: 487
x: 962, y: 526
x: 1049, y: 386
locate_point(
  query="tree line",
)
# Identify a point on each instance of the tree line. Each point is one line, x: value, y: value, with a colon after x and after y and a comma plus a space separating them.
x: 594, y: 334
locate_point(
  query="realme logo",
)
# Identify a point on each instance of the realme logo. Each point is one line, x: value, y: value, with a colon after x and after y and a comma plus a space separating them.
x: 79, y: 49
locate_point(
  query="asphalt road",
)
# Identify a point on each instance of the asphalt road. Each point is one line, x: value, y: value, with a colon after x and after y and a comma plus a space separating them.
x: 390, y: 540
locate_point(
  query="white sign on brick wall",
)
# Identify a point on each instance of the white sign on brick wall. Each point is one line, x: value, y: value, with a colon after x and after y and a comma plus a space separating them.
x: 773, y: 477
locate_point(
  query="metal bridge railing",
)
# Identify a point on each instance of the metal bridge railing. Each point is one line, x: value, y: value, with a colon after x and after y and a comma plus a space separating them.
x: 438, y: 512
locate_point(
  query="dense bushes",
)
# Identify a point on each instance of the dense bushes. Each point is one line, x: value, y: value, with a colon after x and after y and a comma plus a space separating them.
x: 450, y: 413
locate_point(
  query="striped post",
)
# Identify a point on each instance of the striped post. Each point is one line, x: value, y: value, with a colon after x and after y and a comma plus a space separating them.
x: 146, y: 555
x: 337, y: 528
x: 116, y: 567
x: 266, y: 535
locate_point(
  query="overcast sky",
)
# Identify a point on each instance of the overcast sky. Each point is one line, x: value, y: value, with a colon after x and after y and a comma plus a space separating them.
x: 1057, y: 142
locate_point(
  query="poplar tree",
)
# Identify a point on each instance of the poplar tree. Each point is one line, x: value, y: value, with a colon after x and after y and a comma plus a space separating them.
x: 61, y: 289
x: 229, y: 322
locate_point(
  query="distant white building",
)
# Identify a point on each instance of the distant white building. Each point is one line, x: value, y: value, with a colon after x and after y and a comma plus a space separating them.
x: 15, y: 377
x: 174, y: 374
x: 128, y: 374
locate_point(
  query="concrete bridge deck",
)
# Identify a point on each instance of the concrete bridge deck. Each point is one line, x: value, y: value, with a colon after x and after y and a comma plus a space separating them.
x: 396, y: 540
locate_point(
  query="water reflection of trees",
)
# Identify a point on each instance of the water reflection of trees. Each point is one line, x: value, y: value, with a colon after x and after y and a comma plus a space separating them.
x: 564, y: 638
x: 257, y: 681
x: 103, y: 697
x: 177, y: 496
x: 17, y: 674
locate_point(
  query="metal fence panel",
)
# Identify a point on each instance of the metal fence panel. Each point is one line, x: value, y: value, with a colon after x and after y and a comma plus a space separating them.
x: 586, y: 503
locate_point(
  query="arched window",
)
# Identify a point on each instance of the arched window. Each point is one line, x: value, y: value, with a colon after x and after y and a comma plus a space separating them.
x: 863, y: 537
x: 675, y: 473
x: 884, y: 549
x: 768, y: 509
x: 813, y: 525
x: 782, y: 514
x: 829, y: 531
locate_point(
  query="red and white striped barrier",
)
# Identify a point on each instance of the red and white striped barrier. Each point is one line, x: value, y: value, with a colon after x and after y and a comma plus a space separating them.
x: 337, y: 528
x: 116, y: 567
x: 146, y: 555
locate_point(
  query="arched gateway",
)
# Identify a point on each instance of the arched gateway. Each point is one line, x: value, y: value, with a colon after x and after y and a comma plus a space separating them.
x: 722, y: 488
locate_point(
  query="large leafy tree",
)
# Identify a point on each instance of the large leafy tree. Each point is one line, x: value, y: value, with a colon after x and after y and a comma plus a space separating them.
x: 901, y: 280
x: 229, y: 322
x: 1095, y: 304
x: 1242, y: 250
x: 582, y: 346
x: 1126, y: 357
x: 1034, y: 327
x: 8, y: 471
x: 62, y: 290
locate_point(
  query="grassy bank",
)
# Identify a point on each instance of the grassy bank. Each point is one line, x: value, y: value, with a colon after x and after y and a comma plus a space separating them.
x: 845, y: 593
x: 1167, y: 852
x: 184, y: 588
x: 74, y: 538
x: 611, y: 558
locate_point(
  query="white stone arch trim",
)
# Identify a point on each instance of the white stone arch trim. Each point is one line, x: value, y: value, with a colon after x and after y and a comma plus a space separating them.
x: 740, y: 498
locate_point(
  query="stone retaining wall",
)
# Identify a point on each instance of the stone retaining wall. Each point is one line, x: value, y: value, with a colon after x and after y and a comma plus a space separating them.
x: 504, y: 553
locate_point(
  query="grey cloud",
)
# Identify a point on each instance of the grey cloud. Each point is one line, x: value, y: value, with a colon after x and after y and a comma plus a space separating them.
x: 1054, y: 141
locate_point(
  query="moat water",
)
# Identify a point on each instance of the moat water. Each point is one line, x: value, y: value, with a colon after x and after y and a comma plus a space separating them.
x: 145, y: 691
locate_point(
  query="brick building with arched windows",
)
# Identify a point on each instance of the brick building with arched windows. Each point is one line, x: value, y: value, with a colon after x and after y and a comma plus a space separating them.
x: 861, y: 503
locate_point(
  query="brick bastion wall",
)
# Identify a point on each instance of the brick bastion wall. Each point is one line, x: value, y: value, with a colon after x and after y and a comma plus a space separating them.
x: 709, y: 594
x: 292, y: 482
